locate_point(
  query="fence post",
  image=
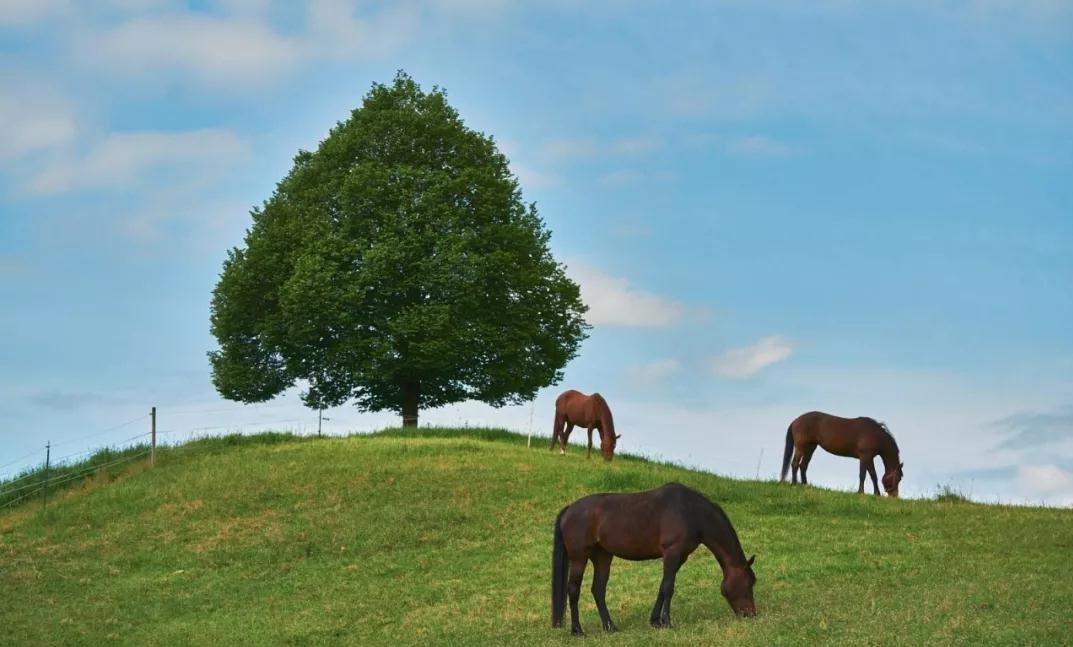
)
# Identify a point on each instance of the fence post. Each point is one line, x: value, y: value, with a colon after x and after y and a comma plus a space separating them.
x: 152, y: 436
x: 44, y: 491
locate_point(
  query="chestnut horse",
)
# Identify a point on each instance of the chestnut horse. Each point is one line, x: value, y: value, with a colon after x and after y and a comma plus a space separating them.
x: 668, y: 522
x: 589, y: 411
x: 861, y: 438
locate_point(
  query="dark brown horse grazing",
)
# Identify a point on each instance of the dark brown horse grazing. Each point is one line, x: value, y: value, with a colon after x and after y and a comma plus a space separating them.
x: 589, y: 411
x: 668, y: 522
x: 861, y: 438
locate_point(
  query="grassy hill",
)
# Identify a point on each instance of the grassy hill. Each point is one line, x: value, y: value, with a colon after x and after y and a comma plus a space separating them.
x: 444, y: 538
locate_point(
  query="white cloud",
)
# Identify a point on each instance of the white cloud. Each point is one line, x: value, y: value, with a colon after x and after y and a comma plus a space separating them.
x: 216, y: 50
x: 565, y: 147
x: 22, y: 12
x: 613, y: 301
x: 31, y: 123
x: 240, y: 48
x: 123, y: 158
x: 562, y: 147
x: 529, y: 177
x: 654, y: 372
x: 1048, y: 483
x: 335, y: 30
x: 745, y: 362
x: 746, y: 145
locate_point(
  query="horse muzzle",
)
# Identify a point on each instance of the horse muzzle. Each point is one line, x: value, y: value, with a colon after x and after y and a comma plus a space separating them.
x: 746, y: 612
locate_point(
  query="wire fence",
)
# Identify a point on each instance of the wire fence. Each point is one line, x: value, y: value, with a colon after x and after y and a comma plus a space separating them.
x: 53, y: 474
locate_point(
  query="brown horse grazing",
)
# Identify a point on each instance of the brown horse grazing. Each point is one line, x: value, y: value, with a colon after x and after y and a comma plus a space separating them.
x: 861, y: 438
x: 668, y: 522
x: 589, y: 411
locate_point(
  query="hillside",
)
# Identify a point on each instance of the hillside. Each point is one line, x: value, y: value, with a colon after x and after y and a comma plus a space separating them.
x: 445, y: 539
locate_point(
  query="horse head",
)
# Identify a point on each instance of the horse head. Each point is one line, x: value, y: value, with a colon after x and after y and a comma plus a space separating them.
x: 737, y: 588
x: 607, y: 445
x: 891, y: 480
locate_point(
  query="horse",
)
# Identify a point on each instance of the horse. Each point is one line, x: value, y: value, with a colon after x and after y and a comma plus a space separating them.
x: 589, y: 411
x: 861, y: 438
x: 668, y: 522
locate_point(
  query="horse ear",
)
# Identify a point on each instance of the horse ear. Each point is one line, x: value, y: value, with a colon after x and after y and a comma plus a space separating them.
x: 751, y: 560
x: 901, y: 465
x: 617, y: 436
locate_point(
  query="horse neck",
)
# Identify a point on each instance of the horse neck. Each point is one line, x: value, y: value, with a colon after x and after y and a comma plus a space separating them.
x: 603, y: 416
x: 719, y: 536
x: 888, y: 452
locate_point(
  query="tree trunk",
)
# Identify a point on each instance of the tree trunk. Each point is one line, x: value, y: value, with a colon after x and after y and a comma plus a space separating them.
x: 411, y: 394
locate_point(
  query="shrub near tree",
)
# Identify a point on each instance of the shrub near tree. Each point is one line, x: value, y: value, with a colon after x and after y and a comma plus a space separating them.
x: 396, y: 267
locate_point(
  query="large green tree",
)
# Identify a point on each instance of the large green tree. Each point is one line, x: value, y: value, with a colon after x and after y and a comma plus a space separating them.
x: 396, y: 267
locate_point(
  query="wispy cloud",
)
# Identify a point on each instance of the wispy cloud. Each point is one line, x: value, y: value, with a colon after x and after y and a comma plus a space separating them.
x: 613, y: 301
x: 634, y: 145
x: 562, y: 147
x: 1028, y: 429
x: 738, y: 363
x: 30, y: 122
x: 218, y: 50
x: 530, y: 177
x: 587, y: 147
x: 1048, y: 483
x: 654, y: 372
x: 742, y: 145
x: 23, y: 12
x: 239, y: 47
x: 121, y: 159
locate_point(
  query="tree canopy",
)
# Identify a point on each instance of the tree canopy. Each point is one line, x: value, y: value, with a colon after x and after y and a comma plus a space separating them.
x: 396, y: 267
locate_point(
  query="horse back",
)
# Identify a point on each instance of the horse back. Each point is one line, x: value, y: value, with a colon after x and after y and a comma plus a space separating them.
x: 837, y: 435
x: 633, y: 526
x: 582, y: 409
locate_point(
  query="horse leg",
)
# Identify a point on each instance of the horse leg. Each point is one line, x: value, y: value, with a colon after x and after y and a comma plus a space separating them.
x: 601, y: 572
x: 661, y: 612
x: 805, y: 459
x: 589, y: 454
x: 864, y: 470
x: 872, y: 473
x: 564, y: 437
x: 795, y: 464
x: 557, y: 429
x: 573, y: 589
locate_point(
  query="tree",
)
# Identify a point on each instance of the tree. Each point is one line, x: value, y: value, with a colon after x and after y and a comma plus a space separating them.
x: 395, y: 267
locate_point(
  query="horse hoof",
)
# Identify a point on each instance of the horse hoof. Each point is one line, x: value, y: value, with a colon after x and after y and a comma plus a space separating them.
x: 610, y: 627
x: 576, y: 631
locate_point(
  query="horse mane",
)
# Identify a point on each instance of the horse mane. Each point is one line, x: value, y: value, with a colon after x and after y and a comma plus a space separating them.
x: 886, y: 430
x: 606, y: 410
x: 719, y: 513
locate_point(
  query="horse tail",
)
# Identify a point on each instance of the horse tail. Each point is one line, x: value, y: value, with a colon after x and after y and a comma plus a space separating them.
x: 559, y: 568
x: 787, y: 453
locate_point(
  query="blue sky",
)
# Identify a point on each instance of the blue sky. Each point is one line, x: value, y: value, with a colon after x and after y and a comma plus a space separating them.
x: 863, y: 208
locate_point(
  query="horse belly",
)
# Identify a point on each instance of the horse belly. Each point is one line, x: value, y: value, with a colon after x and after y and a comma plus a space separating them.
x: 628, y: 541
x: 839, y: 444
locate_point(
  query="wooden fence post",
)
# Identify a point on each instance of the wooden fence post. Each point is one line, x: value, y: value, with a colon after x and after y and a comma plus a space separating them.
x: 152, y: 435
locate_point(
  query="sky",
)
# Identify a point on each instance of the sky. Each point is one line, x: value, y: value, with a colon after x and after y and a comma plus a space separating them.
x: 864, y: 208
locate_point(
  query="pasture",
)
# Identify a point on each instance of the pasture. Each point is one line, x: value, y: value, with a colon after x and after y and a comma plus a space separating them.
x: 443, y: 537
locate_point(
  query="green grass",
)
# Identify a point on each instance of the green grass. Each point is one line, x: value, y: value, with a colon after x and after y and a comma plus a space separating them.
x: 443, y: 537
